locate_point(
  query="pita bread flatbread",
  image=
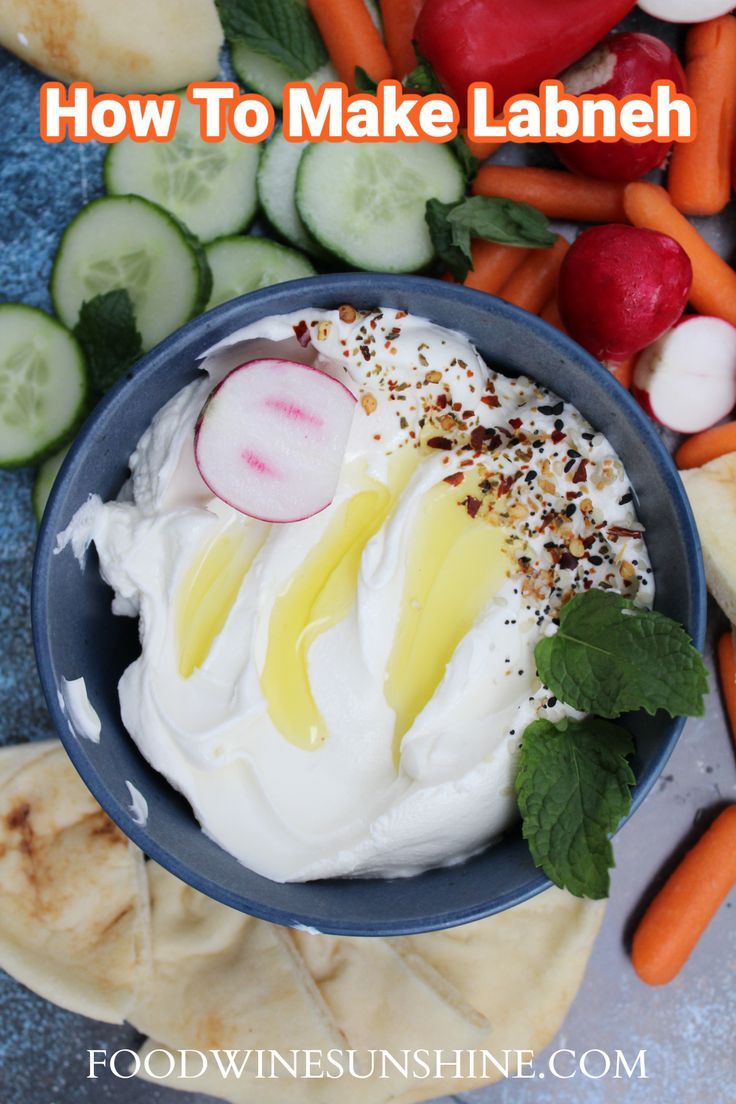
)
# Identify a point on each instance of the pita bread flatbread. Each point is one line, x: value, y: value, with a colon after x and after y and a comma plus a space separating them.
x: 501, y: 983
x: 385, y: 999
x: 73, y: 896
x: 521, y: 968
x: 139, y: 46
x: 221, y: 979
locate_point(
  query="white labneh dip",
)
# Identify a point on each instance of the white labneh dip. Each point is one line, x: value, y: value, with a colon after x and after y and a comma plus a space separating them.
x: 346, y: 694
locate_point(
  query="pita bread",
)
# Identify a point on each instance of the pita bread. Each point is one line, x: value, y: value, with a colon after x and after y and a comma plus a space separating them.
x: 73, y: 897
x: 521, y: 968
x: 385, y: 999
x: 138, y: 46
x: 501, y: 983
x: 221, y: 979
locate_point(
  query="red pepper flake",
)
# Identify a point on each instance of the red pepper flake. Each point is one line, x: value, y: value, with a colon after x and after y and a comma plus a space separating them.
x: 439, y: 443
x: 457, y: 406
x: 557, y: 436
x: 581, y: 472
x: 441, y: 402
x: 620, y: 531
x: 477, y: 438
x: 455, y: 480
x: 366, y: 351
x: 301, y: 332
x: 515, y: 423
x: 401, y: 314
x: 505, y: 484
x: 490, y: 400
x: 472, y: 505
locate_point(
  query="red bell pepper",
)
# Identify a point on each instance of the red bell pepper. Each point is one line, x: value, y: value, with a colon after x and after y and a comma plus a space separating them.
x: 512, y: 44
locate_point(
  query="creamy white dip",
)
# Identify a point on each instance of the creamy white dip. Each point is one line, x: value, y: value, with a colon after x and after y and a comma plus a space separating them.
x: 257, y: 638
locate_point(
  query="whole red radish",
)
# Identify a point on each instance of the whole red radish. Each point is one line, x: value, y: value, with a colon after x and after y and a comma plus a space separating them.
x: 621, y: 287
x: 686, y: 11
x: 271, y: 438
x: 514, y: 46
x: 623, y: 65
x: 687, y: 379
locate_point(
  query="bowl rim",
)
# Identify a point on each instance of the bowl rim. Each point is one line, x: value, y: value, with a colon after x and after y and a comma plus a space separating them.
x: 339, y: 285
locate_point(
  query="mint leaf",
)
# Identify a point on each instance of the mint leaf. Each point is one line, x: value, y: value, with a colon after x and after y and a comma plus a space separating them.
x: 573, y: 787
x: 455, y: 258
x: 453, y: 225
x: 500, y: 220
x: 468, y: 163
x: 364, y: 82
x: 609, y: 657
x: 422, y: 79
x: 107, y: 332
x: 281, y: 29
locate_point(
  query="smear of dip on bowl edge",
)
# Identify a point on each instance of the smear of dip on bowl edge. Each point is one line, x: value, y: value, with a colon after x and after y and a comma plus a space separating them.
x: 346, y: 694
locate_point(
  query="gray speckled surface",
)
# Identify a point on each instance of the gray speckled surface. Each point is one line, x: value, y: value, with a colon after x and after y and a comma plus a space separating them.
x: 687, y: 1027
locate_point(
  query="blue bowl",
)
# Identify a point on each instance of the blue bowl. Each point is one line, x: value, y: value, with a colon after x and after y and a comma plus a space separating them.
x: 75, y: 632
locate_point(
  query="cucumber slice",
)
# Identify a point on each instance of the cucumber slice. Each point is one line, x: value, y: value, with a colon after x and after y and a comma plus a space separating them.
x: 365, y: 201
x: 267, y: 77
x: 209, y: 186
x: 240, y: 265
x: 44, y: 481
x: 276, y: 186
x: 128, y: 242
x: 43, y: 384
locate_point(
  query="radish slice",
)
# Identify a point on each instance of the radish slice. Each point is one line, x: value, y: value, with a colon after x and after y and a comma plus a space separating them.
x: 686, y: 11
x: 687, y: 379
x: 271, y: 438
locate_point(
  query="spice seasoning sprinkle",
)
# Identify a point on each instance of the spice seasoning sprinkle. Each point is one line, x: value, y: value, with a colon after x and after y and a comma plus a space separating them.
x: 522, y: 460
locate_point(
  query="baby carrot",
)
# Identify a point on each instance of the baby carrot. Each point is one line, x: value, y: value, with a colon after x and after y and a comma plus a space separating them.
x: 399, y: 19
x: 686, y: 903
x: 727, y: 672
x: 492, y: 265
x: 556, y: 194
x: 623, y: 371
x: 699, y: 180
x: 704, y: 447
x: 550, y: 312
x: 351, y: 39
x: 714, y: 281
x: 481, y: 150
x: 532, y: 283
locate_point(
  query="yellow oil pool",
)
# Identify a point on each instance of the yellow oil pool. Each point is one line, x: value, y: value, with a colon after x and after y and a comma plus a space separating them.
x: 319, y: 596
x: 455, y: 566
x: 210, y: 588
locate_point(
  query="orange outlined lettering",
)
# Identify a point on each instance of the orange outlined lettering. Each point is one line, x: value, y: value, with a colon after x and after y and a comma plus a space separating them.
x: 665, y: 115
x: 330, y: 114
x: 81, y: 116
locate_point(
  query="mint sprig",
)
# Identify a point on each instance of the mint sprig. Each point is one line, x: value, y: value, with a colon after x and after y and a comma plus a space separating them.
x: 109, y: 336
x: 282, y: 30
x: 610, y: 656
x: 573, y: 787
x: 453, y: 225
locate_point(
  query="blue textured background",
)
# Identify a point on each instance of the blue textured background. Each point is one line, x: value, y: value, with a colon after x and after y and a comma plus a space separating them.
x: 688, y: 1027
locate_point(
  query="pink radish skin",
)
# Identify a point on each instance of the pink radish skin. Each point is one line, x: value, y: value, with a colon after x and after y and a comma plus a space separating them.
x: 622, y: 287
x: 686, y: 380
x: 686, y: 11
x: 271, y: 439
x: 623, y: 65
